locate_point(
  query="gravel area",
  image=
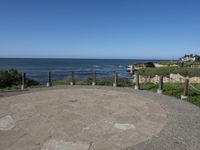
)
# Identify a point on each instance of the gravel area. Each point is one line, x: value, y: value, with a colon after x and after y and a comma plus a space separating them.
x: 182, y: 131
x: 177, y: 122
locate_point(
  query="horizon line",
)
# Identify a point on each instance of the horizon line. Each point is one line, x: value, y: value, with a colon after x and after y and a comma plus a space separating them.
x: 84, y: 58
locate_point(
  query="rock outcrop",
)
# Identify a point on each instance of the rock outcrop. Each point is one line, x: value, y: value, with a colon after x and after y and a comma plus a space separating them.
x: 173, y: 78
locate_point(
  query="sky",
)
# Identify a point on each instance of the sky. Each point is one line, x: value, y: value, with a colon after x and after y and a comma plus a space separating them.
x: 125, y: 29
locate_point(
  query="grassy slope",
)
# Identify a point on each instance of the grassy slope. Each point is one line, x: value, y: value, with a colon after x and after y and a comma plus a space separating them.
x: 165, y: 71
x: 175, y: 90
x: 168, y: 63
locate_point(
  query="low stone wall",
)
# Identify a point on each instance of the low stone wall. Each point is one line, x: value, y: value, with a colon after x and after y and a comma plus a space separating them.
x: 173, y: 78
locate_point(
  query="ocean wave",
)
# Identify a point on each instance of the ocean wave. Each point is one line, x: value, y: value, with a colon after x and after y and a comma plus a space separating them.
x: 96, y: 66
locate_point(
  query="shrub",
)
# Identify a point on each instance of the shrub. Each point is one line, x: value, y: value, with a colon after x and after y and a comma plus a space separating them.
x: 12, y: 78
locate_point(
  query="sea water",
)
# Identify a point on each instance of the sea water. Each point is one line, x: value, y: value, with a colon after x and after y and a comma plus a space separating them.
x: 38, y: 68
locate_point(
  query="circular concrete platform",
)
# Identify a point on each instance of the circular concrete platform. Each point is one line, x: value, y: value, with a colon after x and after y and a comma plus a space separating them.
x: 78, y: 119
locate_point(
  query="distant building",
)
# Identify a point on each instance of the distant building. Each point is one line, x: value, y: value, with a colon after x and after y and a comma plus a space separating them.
x: 190, y: 57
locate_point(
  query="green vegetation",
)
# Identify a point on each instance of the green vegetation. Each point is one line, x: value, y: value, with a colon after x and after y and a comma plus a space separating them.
x: 181, y: 64
x: 194, y: 96
x: 104, y: 81
x: 59, y: 82
x: 11, y: 79
x: 188, y: 64
x: 168, y: 63
x: 165, y: 71
x: 149, y: 86
x: 87, y: 81
x: 175, y: 90
x: 145, y: 64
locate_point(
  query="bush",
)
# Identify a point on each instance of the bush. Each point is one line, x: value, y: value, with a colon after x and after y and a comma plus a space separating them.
x: 188, y: 63
x: 12, y: 78
x: 9, y: 78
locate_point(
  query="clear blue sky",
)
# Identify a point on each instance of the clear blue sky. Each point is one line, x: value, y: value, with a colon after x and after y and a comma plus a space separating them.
x: 99, y: 28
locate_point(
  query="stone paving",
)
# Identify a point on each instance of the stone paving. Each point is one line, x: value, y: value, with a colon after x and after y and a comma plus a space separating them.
x: 93, y: 118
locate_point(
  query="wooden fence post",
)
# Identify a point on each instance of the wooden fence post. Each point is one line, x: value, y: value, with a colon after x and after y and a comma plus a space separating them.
x: 137, y: 81
x: 94, y: 78
x: 186, y: 90
x: 23, y: 86
x: 160, y: 89
x: 49, y: 83
x: 72, y: 82
x: 115, y: 83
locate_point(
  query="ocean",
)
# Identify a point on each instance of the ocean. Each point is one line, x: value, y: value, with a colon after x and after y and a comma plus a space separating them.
x: 38, y: 68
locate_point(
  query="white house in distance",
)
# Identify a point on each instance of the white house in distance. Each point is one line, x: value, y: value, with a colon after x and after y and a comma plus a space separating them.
x: 190, y: 57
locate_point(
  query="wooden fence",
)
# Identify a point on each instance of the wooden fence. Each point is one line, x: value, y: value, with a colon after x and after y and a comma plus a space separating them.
x: 184, y: 96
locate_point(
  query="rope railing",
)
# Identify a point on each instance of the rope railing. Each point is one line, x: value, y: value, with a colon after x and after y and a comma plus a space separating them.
x: 117, y: 79
x: 189, y: 90
x: 178, y: 81
x: 193, y: 87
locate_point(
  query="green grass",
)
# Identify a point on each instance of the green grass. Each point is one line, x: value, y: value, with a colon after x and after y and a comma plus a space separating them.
x: 194, y: 96
x: 181, y: 64
x: 189, y: 63
x: 168, y: 63
x: 149, y: 86
x: 100, y: 81
x: 175, y: 90
x: 59, y: 82
x: 166, y: 71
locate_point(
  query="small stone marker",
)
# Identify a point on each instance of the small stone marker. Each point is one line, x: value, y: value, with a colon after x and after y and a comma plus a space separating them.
x: 49, y: 83
x: 94, y: 78
x: 125, y: 126
x: 160, y: 90
x: 23, y: 86
x: 185, y: 92
x: 137, y: 84
x: 115, y: 83
x: 7, y: 123
x: 54, y: 144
